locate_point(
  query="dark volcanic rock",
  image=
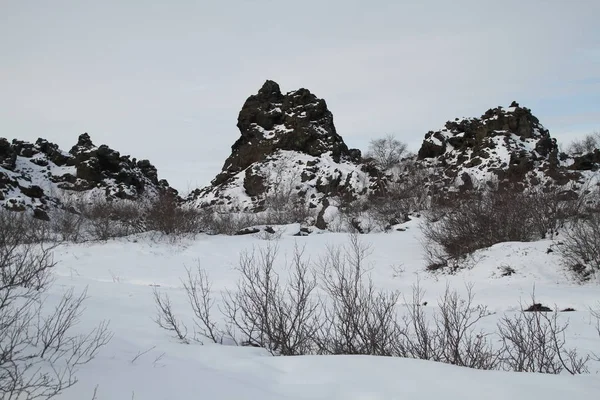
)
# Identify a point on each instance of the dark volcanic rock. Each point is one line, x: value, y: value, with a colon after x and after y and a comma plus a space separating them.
x: 288, y: 161
x: 270, y: 121
x: 510, y: 143
x: 28, y: 170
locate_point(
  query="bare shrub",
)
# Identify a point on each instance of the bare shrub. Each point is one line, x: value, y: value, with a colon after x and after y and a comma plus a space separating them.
x: 217, y: 221
x: 357, y: 216
x: 587, y: 144
x: 484, y: 219
x: 68, y: 224
x: 535, y: 342
x: 281, y: 319
x: 110, y: 219
x: 281, y: 200
x: 596, y: 315
x: 580, y: 245
x: 552, y: 206
x: 452, y: 336
x: 357, y: 319
x: 165, y: 215
x: 198, y: 290
x: 398, y: 195
x: 386, y: 152
x: 166, y: 319
x: 39, y: 355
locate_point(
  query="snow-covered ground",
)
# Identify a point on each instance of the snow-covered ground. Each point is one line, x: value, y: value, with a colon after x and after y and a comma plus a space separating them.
x: 144, y: 362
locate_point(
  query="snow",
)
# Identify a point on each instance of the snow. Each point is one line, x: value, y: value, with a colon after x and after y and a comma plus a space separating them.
x: 282, y: 173
x: 145, y: 362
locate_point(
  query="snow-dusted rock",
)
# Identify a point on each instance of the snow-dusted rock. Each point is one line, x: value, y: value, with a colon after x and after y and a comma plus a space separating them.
x: 288, y: 151
x: 39, y: 176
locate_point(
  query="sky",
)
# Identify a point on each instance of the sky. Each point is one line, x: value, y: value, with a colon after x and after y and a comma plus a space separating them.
x: 165, y: 80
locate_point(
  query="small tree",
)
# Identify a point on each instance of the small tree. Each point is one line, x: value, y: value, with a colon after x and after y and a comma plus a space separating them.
x: 386, y: 152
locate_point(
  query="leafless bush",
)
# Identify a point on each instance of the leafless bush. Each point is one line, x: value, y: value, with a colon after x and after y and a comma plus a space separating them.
x: 399, y: 193
x: 198, y: 290
x: 68, y: 224
x: 225, y: 222
x: 39, y: 355
x: 552, y: 207
x: 451, y: 337
x: 166, y: 319
x: 353, y: 317
x: 357, y: 319
x: 282, y: 319
x: 484, y: 219
x: 110, y: 219
x: 281, y: 201
x: 535, y: 342
x: 165, y: 215
x: 580, y: 245
x: 386, y: 151
x: 596, y: 315
x: 585, y: 145
x: 357, y: 216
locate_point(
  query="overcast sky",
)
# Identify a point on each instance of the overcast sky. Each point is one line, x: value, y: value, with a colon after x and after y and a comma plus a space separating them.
x: 165, y: 80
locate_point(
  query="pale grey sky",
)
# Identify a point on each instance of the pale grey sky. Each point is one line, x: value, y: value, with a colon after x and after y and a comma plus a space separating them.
x: 165, y: 80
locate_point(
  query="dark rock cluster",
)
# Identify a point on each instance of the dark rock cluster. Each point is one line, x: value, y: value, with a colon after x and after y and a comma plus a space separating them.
x: 270, y: 121
x: 508, y: 142
x: 32, y: 174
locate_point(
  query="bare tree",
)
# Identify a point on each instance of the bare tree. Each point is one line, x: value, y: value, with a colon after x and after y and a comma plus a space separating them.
x: 165, y: 215
x: 39, y: 355
x: 281, y: 200
x: 386, y: 152
x: 481, y: 220
x: 110, y: 219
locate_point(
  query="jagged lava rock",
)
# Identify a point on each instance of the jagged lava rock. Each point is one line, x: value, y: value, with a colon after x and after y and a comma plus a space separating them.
x: 504, y: 145
x: 296, y: 121
x: 40, y: 175
x: 286, y: 140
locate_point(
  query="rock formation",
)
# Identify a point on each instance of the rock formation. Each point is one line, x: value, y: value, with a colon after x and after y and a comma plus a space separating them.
x: 39, y: 175
x: 288, y: 146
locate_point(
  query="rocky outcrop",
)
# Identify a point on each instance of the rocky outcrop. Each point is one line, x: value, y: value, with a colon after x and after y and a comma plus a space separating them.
x: 505, y: 145
x: 39, y: 175
x: 288, y: 152
x: 297, y: 121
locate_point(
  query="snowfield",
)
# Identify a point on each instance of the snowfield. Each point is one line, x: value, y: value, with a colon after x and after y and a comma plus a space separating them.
x: 143, y: 362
